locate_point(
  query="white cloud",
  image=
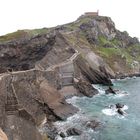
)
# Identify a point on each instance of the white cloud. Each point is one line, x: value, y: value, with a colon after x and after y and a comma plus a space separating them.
x: 29, y: 14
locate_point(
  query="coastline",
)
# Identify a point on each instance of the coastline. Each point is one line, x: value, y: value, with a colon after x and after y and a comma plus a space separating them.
x: 122, y: 76
x: 82, y: 117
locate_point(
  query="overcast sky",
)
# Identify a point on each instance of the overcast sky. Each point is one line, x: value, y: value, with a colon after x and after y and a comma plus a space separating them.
x: 30, y: 14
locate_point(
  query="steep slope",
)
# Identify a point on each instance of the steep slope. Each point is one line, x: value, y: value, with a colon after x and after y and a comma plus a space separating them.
x: 87, y: 34
x: 98, y: 34
x: 26, y: 100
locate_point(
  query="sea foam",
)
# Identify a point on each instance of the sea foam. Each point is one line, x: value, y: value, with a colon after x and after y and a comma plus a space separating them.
x: 113, y: 111
x: 109, y: 112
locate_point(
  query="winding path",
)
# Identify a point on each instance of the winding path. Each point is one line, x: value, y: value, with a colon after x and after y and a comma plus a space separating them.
x: 65, y: 62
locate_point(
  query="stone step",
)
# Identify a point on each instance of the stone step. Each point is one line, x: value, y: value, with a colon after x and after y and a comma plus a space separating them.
x: 67, y: 84
x: 12, y: 102
x: 11, y: 112
x: 11, y: 109
x: 10, y: 105
x: 66, y: 76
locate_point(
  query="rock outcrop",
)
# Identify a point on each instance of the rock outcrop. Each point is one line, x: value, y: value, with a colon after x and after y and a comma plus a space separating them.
x: 46, y: 60
x: 93, y: 124
x: 91, y: 69
x: 85, y: 88
x: 110, y: 90
x: 118, y: 105
x: 73, y: 132
x: 26, y: 99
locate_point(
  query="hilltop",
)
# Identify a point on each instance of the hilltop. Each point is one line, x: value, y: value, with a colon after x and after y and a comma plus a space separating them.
x: 95, y: 34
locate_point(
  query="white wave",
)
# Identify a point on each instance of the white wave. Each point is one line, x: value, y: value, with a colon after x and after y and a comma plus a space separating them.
x: 125, y: 107
x: 58, y: 138
x: 71, y: 138
x: 113, y: 111
x: 121, y: 117
x: 121, y: 94
x: 70, y: 122
x: 109, y: 112
x: 101, y: 91
x: 69, y: 119
x: 73, y: 99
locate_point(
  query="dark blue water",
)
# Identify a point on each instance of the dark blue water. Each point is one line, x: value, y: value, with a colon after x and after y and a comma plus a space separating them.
x: 114, y: 126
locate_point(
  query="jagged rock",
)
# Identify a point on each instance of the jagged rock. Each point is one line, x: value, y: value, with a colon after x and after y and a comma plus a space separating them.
x: 26, y: 98
x: 24, y: 54
x: 110, y: 90
x: 118, y: 105
x: 93, y: 124
x: 120, y: 111
x: 85, y: 88
x: 62, y: 135
x: 73, y: 131
x: 90, y: 68
x: 50, y: 130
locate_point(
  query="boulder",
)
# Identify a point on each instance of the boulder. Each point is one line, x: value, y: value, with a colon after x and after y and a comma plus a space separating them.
x: 93, y: 124
x: 110, y: 90
x: 62, y: 134
x: 120, y: 111
x: 118, y: 105
x: 73, y: 131
x: 50, y: 130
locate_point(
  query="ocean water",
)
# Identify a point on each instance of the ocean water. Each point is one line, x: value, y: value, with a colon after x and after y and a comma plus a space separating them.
x: 113, y: 126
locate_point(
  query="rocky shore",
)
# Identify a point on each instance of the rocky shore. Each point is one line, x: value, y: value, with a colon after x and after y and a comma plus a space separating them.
x: 40, y: 71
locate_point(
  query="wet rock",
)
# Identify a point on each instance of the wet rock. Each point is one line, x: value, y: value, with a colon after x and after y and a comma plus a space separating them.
x: 62, y: 134
x: 120, y: 111
x: 95, y: 125
x: 73, y: 131
x: 118, y: 105
x: 50, y: 130
x: 110, y: 90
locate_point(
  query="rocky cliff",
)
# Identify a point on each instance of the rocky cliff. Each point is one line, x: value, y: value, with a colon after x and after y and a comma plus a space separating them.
x: 27, y: 99
x: 45, y: 47
x: 38, y: 65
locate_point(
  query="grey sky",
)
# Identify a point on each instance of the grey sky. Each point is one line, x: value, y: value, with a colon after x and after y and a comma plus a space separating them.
x: 30, y: 14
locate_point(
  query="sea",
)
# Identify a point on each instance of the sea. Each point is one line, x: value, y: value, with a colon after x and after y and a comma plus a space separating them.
x: 113, y: 126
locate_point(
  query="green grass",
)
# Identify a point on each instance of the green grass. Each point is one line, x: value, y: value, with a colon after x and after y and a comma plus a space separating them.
x: 11, y: 36
x: 22, y: 33
x: 110, y: 53
x: 115, y: 42
x: 104, y: 41
x: 75, y: 25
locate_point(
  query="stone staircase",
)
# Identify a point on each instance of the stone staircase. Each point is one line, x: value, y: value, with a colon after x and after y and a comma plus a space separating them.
x: 66, y: 75
x: 11, y: 106
x: 67, y: 78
